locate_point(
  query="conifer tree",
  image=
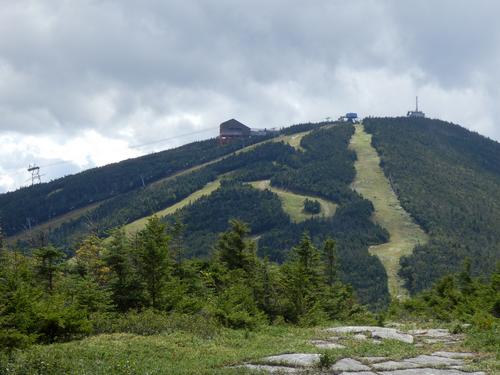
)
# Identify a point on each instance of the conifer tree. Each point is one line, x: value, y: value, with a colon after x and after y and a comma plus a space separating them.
x: 125, y: 284
x: 330, y: 260
x: 304, y: 282
x: 154, y: 258
x: 233, y: 250
x: 47, y: 264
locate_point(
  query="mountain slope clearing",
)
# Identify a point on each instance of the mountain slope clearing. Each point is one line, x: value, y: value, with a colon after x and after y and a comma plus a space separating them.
x: 373, y: 185
x: 293, y: 203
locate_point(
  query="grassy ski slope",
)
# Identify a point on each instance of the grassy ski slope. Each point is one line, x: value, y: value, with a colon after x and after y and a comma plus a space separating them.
x: 373, y: 185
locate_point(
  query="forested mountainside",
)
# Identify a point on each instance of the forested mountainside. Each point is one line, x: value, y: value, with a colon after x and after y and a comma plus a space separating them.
x: 42, y: 202
x: 448, y: 179
x: 324, y: 169
x: 320, y: 166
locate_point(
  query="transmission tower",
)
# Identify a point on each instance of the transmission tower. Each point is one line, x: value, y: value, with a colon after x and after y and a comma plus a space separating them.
x: 36, y: 178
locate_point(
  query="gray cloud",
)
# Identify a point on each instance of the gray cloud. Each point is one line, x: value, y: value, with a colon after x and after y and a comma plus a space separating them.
x: 75, y: 74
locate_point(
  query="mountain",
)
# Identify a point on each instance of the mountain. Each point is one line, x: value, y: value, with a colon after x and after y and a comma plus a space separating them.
x: 443, y: 183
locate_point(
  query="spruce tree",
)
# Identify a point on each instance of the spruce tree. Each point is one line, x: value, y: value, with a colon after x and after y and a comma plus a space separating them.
x: 330, y: 261
x: 154, y: 258
x: 125, y: 284
x: 233, y: 251
x: 303, y: 278
x: 47, y: 263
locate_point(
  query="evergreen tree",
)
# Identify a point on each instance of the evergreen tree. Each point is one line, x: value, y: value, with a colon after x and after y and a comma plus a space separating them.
x: 126, y: 287
x: 89, y: 260
x: 47, y: 263
x: 330, y: 260
x: 154, y: 259
x: 233, y: 251
x: 304, y: 283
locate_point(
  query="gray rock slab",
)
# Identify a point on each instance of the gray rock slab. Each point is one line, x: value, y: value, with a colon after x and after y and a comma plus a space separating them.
x: 294, y: 359
x: 372, y: 359
x: 429, y: 371
x: 358, y: 373
x: 393, y: 334
x: 394, y: 365
x: 430, y: 332
x: 349, y: 364
x: 352, y: 329
x: 323, y: 344
x: 455, y: 355
x: 432, y: 360
x: 377, y: 332
x: 272, y: 369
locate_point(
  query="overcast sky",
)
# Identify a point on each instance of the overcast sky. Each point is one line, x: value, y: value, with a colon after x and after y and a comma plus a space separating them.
x: 84, y: 82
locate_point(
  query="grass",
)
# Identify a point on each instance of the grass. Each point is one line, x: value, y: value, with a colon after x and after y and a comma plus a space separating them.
x: 293, y: 204
x: 187, y: 351
x: 293, y: 139
x: 139, y: 224
x: 373, y: 185
x: 174, y: 354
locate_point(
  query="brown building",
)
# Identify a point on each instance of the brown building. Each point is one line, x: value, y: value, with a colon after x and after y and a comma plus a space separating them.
x: 233, y: 129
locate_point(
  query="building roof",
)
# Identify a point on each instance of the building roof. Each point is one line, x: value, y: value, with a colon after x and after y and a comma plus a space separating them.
x: 233, y: 124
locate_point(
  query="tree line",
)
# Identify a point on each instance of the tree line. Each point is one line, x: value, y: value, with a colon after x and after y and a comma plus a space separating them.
x: 48, y: 297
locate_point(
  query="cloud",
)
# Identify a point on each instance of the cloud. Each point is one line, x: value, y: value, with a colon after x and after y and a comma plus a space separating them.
x: 80, y: 74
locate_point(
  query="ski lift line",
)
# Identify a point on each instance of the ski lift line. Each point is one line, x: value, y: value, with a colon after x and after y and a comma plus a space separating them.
x: 133, y: 146
x: 171, y: 138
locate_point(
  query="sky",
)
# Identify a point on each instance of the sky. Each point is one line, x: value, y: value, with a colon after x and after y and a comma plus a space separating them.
x: 84, y: 83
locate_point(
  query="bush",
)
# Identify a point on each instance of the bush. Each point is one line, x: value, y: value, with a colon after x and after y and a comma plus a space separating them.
x: 312, y: 206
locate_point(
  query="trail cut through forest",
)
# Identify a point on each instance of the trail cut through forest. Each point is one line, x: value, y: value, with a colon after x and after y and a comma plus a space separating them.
x: 373, y: 185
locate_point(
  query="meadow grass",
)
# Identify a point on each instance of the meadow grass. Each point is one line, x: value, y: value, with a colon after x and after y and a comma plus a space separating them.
x: 185, y: 352
x: 373, y: 185
x: 173, y: 353
x: 293, y: 204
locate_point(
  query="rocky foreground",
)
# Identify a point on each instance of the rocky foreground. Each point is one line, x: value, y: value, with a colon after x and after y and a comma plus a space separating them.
x: 436, y: 363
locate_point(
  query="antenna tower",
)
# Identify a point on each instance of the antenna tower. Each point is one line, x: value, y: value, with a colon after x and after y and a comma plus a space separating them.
x: 36, y: 178
x: 416, y: 104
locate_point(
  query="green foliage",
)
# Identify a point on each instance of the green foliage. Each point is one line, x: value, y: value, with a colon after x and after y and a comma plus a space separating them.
x: 458, y: 297
x: 233, y: 251
x: 448, y: 179
x: 330, y: 260
x: 124, y: 283
x: 45, y: 201
x: 154, y: 258
x: 47, y: 261
x: 312, y: 206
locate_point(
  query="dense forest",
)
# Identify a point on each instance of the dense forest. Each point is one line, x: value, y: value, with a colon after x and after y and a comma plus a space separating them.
x: 48, y: 297
x: 36, y: 204
x: 448, y: 179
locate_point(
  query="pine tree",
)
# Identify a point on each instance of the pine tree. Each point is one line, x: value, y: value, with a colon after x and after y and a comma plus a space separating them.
x: 330, y: 260
x: 233, y: 251
x: 154, y: 258
x: 304, y: 283
x: 48, y: 260
x: 126, y: 287
x: 89, y: 260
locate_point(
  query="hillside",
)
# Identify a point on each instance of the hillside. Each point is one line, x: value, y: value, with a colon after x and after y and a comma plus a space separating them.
x: 448, y: 179
x: 433, y: 177
x: 251, y: 260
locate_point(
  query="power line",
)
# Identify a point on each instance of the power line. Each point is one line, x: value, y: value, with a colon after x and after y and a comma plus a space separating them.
x: 132, y: 146
x: 172, y: 138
